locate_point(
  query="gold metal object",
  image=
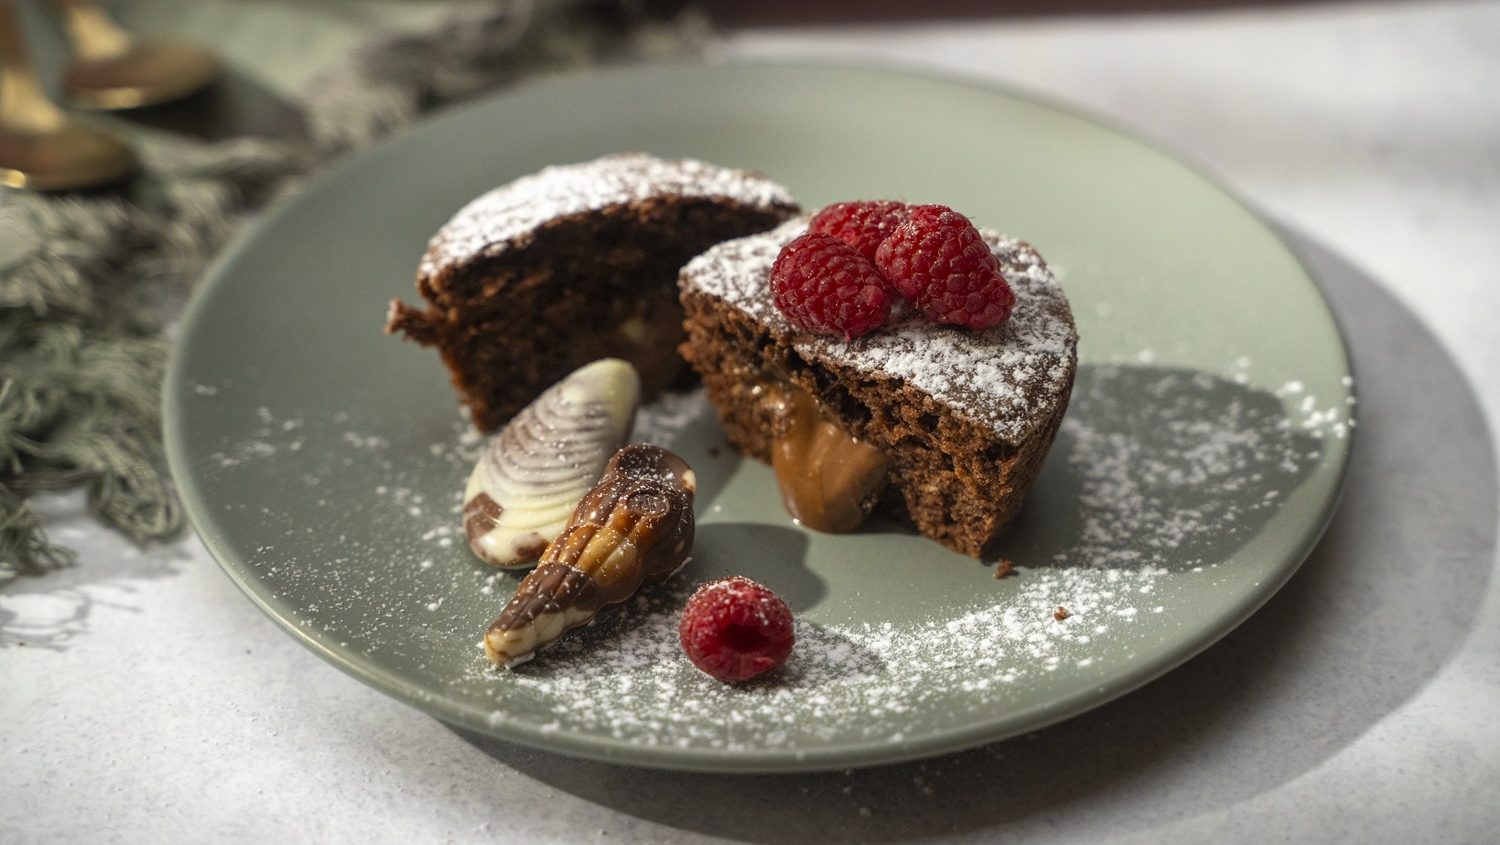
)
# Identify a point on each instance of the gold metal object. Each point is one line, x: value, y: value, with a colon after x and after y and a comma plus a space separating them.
x: 40, y: 147
x: 111, y: 70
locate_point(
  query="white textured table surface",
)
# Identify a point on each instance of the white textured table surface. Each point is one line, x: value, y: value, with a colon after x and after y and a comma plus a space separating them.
x: 151, y: 701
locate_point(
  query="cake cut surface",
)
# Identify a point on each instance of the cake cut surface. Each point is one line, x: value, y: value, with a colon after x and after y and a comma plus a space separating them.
x: 507, y: 216
x: 964, y: 416
x: 571, y: 264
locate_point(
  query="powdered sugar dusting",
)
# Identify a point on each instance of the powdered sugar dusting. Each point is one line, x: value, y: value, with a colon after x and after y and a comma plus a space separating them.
x: 664, y: 420
x: 1158, y: 478
x: 1312, y: 414
x: 1173, y: 468
x: 629, y: 679
x: 1009, y: 378
x: 1164, y: 473
x: 506, y: 215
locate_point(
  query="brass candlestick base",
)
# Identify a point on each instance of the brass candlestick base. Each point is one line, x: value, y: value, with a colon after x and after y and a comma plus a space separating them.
x: 111, y: 70
x: 68, y: 158
x: 150, y: 73
x: 40, y: 147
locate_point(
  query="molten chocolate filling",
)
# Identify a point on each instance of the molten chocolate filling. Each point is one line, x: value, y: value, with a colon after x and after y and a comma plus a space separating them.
x: 829, y: 479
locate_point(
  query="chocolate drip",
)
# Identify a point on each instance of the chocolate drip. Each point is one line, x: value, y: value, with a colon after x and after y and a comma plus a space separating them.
x: 829, y: 479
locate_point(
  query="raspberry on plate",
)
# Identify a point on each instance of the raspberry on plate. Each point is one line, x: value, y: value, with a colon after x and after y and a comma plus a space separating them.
x: 823, y: 285
x: 734, y: 629
x: 940, y: 262
x: 862, y: 224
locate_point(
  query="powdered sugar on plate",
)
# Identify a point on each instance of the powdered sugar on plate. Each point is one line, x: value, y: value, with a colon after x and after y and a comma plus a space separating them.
x: 628, y: 678
x: 1157, y: 479
x: 1158, y: 490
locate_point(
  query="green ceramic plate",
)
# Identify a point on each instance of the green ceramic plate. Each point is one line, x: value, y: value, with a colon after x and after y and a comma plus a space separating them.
x: 322, y: 460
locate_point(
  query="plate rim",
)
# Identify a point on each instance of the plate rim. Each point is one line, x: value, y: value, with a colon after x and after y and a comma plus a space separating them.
x: 702, y: 759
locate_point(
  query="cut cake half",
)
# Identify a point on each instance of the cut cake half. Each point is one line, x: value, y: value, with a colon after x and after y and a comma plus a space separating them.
x: 571, y: 264
x: 963, y: 417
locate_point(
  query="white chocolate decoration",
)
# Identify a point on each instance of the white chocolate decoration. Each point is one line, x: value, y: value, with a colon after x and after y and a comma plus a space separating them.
x: 534, y: 472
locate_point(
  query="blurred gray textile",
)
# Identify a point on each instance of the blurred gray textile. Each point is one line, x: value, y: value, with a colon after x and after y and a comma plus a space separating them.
x: 90, y: 283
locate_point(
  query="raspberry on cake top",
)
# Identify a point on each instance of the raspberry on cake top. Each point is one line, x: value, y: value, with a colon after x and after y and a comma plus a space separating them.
x: 1009, y: 378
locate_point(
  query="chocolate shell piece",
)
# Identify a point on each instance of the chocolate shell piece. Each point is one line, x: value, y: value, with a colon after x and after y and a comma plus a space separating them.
x: 635, y: 527
x: 535, y: 471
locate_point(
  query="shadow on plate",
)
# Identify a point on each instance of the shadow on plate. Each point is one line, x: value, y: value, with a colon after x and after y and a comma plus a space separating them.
x: 767, y: 553
x: 684, y: 422
x: 1158, y: 467
x: 1161, y: 467
x: 1373, y: 614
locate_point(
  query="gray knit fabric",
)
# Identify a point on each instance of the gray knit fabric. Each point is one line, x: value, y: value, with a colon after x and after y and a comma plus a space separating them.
x: 90, y: 283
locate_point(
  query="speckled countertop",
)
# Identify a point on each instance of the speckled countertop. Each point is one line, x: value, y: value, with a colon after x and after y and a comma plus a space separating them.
x: 152, y: 702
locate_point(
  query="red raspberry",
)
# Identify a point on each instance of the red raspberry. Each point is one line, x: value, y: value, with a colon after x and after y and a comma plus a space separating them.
x: 735, y: 629
x: 940, y: 262
x: 822, y: 285
x: 862, y: 225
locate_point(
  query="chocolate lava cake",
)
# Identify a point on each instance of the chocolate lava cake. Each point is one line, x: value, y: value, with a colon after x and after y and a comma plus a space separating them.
x: 572, y: 264
x: 962, y: 418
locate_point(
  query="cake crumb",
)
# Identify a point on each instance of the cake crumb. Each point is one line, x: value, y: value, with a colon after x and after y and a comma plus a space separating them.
x: 1060, y: 613
x: 1004, y: 569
